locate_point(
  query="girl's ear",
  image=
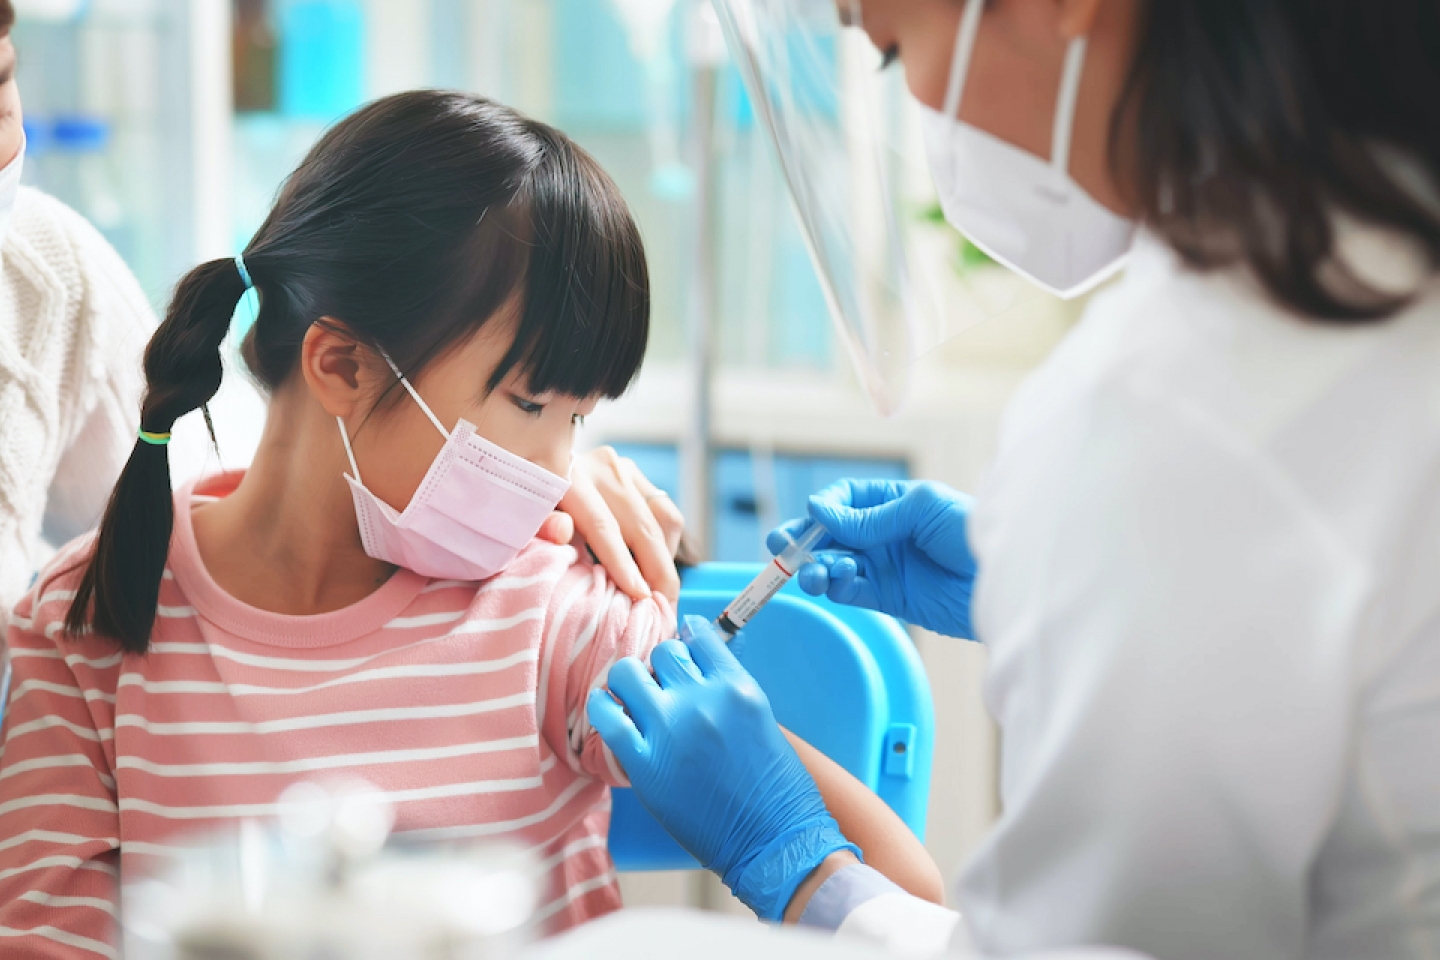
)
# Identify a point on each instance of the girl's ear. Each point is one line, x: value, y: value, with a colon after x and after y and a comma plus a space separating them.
x: 335, y: 367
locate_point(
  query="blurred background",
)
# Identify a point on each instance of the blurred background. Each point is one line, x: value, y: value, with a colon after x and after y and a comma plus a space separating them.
x: 170, y: 124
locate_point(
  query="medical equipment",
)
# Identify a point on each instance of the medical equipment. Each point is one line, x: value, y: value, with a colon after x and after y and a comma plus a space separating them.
x: 767, y: 583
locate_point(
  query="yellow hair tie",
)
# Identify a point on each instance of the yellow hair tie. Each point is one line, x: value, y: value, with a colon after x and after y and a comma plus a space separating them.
x: 157, y: 439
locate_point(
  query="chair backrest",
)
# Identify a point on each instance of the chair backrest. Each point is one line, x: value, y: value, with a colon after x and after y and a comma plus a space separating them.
x: 847, y: 681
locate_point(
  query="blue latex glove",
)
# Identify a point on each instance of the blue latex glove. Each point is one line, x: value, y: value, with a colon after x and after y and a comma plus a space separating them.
x: 705, y: 756
x: 899, y: 547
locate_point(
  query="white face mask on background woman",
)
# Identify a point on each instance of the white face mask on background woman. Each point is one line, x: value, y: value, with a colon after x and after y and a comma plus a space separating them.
x: 1024, y: 212
x: 10, y: 190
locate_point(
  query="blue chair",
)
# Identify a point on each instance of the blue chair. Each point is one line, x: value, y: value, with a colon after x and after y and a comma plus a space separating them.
x: 847, y: 681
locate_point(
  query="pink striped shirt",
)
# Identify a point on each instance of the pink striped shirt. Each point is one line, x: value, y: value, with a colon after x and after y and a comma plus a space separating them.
x: 462, y: 701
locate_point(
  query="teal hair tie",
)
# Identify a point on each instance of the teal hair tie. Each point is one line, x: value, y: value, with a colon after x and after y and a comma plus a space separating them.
x: 155, y: 439
x: 244, y: 273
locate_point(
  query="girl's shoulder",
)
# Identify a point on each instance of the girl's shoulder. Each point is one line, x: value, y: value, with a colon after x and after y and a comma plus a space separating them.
x: 39, y: 618
x: 567, y: 580
x: 541, y: 556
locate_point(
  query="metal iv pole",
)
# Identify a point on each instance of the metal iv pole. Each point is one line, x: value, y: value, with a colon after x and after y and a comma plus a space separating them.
x: 705, y: 50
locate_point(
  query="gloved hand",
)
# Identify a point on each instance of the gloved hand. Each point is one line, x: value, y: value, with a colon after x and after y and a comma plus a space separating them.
x: 705, y: 756
x: 899, y: 547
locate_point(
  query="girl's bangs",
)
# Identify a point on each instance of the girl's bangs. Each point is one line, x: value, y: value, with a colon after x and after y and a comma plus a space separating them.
x: 586, y: 314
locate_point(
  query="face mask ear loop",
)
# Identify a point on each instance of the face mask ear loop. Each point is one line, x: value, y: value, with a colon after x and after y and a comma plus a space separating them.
x: 345, y: 438
x: 960, y: 59
x: 1065, y: 106
x: 415, y: 396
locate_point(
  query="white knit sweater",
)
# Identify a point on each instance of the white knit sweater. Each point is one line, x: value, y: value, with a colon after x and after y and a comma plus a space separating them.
x: 73, y: 327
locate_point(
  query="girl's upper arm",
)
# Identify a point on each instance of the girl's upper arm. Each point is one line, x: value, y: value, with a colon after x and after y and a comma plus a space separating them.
x: 58, y: 805
x: 590, y: 625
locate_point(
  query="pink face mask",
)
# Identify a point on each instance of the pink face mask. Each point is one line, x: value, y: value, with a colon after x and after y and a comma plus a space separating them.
x: 476, y: 509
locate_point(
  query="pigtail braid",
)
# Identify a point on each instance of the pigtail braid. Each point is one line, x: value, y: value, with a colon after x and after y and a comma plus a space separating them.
x: 120, y: 590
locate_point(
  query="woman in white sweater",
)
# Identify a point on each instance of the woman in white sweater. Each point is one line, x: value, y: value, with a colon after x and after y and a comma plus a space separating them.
x: 73, y: 325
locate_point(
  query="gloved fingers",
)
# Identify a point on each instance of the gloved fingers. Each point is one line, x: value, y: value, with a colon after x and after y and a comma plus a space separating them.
x: 854, y: 590
x: 861, y: 528
x: 861, y: 494
x: 787, y: 533
x: 616, y: 729
x: 736, y: 645
x: 672, y: 665
x: 814, y: 577
x: 638, y: 693
x: 840, y: 579
x: 707, y: 648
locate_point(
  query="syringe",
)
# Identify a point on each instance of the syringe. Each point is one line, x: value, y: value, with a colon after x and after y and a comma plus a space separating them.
x: 776, y: 574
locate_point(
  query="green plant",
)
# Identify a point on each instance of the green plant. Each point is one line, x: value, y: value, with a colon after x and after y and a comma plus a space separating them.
x: 967, y: 255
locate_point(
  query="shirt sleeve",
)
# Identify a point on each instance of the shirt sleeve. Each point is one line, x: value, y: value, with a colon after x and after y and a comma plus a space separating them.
x: 1169, y: 628
x: 590, y: 625
x: 859, y: 903
x: 842, y: 893
x: 59, y: 818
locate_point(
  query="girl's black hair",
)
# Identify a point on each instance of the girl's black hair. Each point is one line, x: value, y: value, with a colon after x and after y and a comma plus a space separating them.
x: 1255, y: 122
x: 412, y: 222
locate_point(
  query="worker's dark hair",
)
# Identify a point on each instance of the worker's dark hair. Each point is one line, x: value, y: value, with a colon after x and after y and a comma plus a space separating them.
x: 7, y: 17
x: 1256, y: 122
x: 410, y: 224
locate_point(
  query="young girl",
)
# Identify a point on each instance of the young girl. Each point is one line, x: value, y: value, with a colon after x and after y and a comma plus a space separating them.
x: 446, y: 290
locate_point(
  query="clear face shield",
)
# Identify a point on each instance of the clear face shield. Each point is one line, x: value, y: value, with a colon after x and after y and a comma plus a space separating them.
x: 847, y: 137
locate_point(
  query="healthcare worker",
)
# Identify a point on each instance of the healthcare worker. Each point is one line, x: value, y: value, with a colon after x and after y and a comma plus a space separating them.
x: 1206, y: 560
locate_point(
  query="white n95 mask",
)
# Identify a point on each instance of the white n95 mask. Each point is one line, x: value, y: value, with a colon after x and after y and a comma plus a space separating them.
x: 1022, y: 211
x: 476, y: 509
x: 10, y: 190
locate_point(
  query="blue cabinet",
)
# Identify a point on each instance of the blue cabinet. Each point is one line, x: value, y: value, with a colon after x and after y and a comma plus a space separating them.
x: 749, y: 493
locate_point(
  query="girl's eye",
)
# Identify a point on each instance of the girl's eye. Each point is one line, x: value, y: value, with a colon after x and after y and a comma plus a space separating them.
x: 529, y: 407
x: 578, y: 419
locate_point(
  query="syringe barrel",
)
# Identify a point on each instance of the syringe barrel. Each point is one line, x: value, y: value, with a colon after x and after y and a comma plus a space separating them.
x: 798, y: 552
x: 763, y: 588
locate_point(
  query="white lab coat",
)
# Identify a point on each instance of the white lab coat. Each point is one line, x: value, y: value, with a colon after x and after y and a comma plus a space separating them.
x: 1209, y: 583
x: 666, y: 934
